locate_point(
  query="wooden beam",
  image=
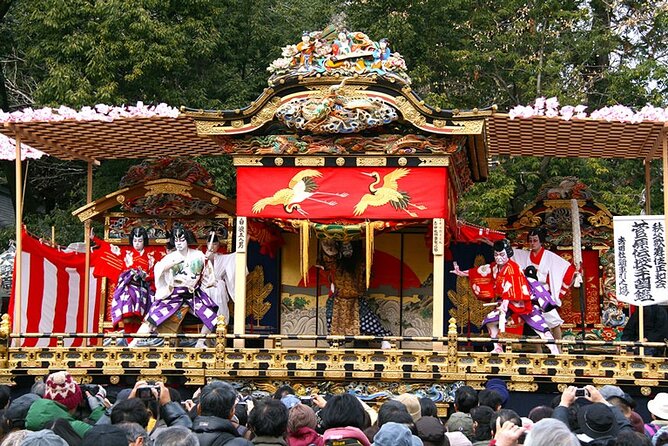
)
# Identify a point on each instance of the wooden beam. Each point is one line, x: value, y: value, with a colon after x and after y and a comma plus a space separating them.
x: 89, y: 198
x: 648, y: 184
x: 664, y: 137
x: 18, y: 258
x: 241, y: 239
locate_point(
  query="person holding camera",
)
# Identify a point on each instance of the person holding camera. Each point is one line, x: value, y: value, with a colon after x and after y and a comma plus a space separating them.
x: 213, y: 424
x: 599, y: 421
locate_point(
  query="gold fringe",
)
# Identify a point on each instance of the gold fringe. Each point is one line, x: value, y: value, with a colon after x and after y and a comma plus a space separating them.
x: 369, y: 251
x: 304, y: 226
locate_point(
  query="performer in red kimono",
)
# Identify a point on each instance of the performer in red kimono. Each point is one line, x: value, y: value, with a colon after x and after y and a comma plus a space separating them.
x: 132, y: 270
x: 504, y: 280
x: 552, y: 270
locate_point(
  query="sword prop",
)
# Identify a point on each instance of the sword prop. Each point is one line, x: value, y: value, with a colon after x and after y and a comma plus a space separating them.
x: 577, y: 259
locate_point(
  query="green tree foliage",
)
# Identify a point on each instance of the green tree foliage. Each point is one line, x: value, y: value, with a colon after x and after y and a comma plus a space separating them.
x: 460, y: 53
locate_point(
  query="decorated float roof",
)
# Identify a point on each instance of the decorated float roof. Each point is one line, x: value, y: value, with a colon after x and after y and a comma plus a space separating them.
x: 335, y: 83
x: 167, y: 187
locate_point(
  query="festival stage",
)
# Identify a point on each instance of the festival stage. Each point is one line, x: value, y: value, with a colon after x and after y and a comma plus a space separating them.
x: 264, y: 363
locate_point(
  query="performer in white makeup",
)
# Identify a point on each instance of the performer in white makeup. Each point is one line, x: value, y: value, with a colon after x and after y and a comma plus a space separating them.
x: 180, y: 279
x: 504, y: 280
x: 553, y: 270
x: 224, y: 272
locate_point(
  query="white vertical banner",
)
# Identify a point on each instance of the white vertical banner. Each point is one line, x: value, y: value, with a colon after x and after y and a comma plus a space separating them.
x: 241, y: 235
x: 640, y: 259
x: 438, y: 236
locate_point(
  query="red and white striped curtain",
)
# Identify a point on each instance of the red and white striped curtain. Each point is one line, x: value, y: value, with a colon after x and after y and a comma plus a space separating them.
x: 52, y: 294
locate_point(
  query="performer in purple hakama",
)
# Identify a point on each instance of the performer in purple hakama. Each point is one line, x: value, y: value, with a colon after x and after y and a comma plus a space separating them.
x: 180, y: 279
x: 504, y: 280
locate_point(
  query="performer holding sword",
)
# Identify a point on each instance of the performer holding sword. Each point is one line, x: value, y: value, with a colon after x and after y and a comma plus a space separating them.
x: 504, y: 280
x: 180, y: 279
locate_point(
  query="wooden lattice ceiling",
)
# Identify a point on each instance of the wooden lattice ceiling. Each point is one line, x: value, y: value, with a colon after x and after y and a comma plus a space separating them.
x: 162, y: 136
x: 584, y: 138
x: 122, y: 138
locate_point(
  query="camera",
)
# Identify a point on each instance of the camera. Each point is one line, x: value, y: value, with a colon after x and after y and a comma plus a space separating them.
x: 581, y: 392
x: 146, y: 392
x: 306, y: 400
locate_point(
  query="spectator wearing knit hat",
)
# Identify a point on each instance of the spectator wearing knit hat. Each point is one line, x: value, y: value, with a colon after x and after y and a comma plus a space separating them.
x: 62, y: 396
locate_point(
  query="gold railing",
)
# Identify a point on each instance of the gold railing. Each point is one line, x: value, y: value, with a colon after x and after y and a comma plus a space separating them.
x: 449, y: 359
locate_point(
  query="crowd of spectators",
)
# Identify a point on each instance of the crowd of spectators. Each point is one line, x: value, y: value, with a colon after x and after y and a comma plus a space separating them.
x: 60, y: 412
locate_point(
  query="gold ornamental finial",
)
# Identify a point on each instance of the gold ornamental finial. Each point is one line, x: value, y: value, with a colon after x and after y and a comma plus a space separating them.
x: 4, y: 326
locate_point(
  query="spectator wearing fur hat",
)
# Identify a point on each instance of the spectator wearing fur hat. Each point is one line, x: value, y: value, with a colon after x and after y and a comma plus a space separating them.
x: 62, y: 397
x: 549, y: 431
x: 15, y: 438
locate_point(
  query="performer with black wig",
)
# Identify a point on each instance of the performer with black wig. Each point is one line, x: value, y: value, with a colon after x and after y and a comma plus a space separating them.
x: 132, y: 270
x: 180, y: 279
x: 348, y: 312
x: 504, y: 281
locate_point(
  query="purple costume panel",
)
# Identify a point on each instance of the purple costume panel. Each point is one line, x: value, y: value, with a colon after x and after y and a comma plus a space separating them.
x: 201, y: 305
x: 535, y: 319
x: 132, y: 296
x: 541, y: 296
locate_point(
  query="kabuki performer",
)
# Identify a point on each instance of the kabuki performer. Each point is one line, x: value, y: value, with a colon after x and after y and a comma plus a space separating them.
x: 132, y: 269
x: 553, y: 270
x: 180, y: 279
x: 224, y: 273
x: 348, y: 311
x: 505, y: 281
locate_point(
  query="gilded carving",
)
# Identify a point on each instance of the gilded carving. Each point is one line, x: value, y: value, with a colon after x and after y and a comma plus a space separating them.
x: 402, y: 161
x: 434, y: 161
x: 168, y: 188
x: 88, y: 213
x: 248, y: 161
x: 256, y: 293
x: 309, y: 161
x: 340, y: 161
x: 4, y: 326
x: 469, y: 127
x: 371, y: 161
x: 601, y: 219
x: 410, y: 113
x: 278, y: 161
x: 530, y: 220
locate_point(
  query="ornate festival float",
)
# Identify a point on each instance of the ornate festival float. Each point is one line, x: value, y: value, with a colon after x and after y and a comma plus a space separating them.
x: 338, y: 155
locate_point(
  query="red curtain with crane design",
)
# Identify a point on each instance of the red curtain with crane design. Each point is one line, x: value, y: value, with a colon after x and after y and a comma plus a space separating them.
x: 389, y: 193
